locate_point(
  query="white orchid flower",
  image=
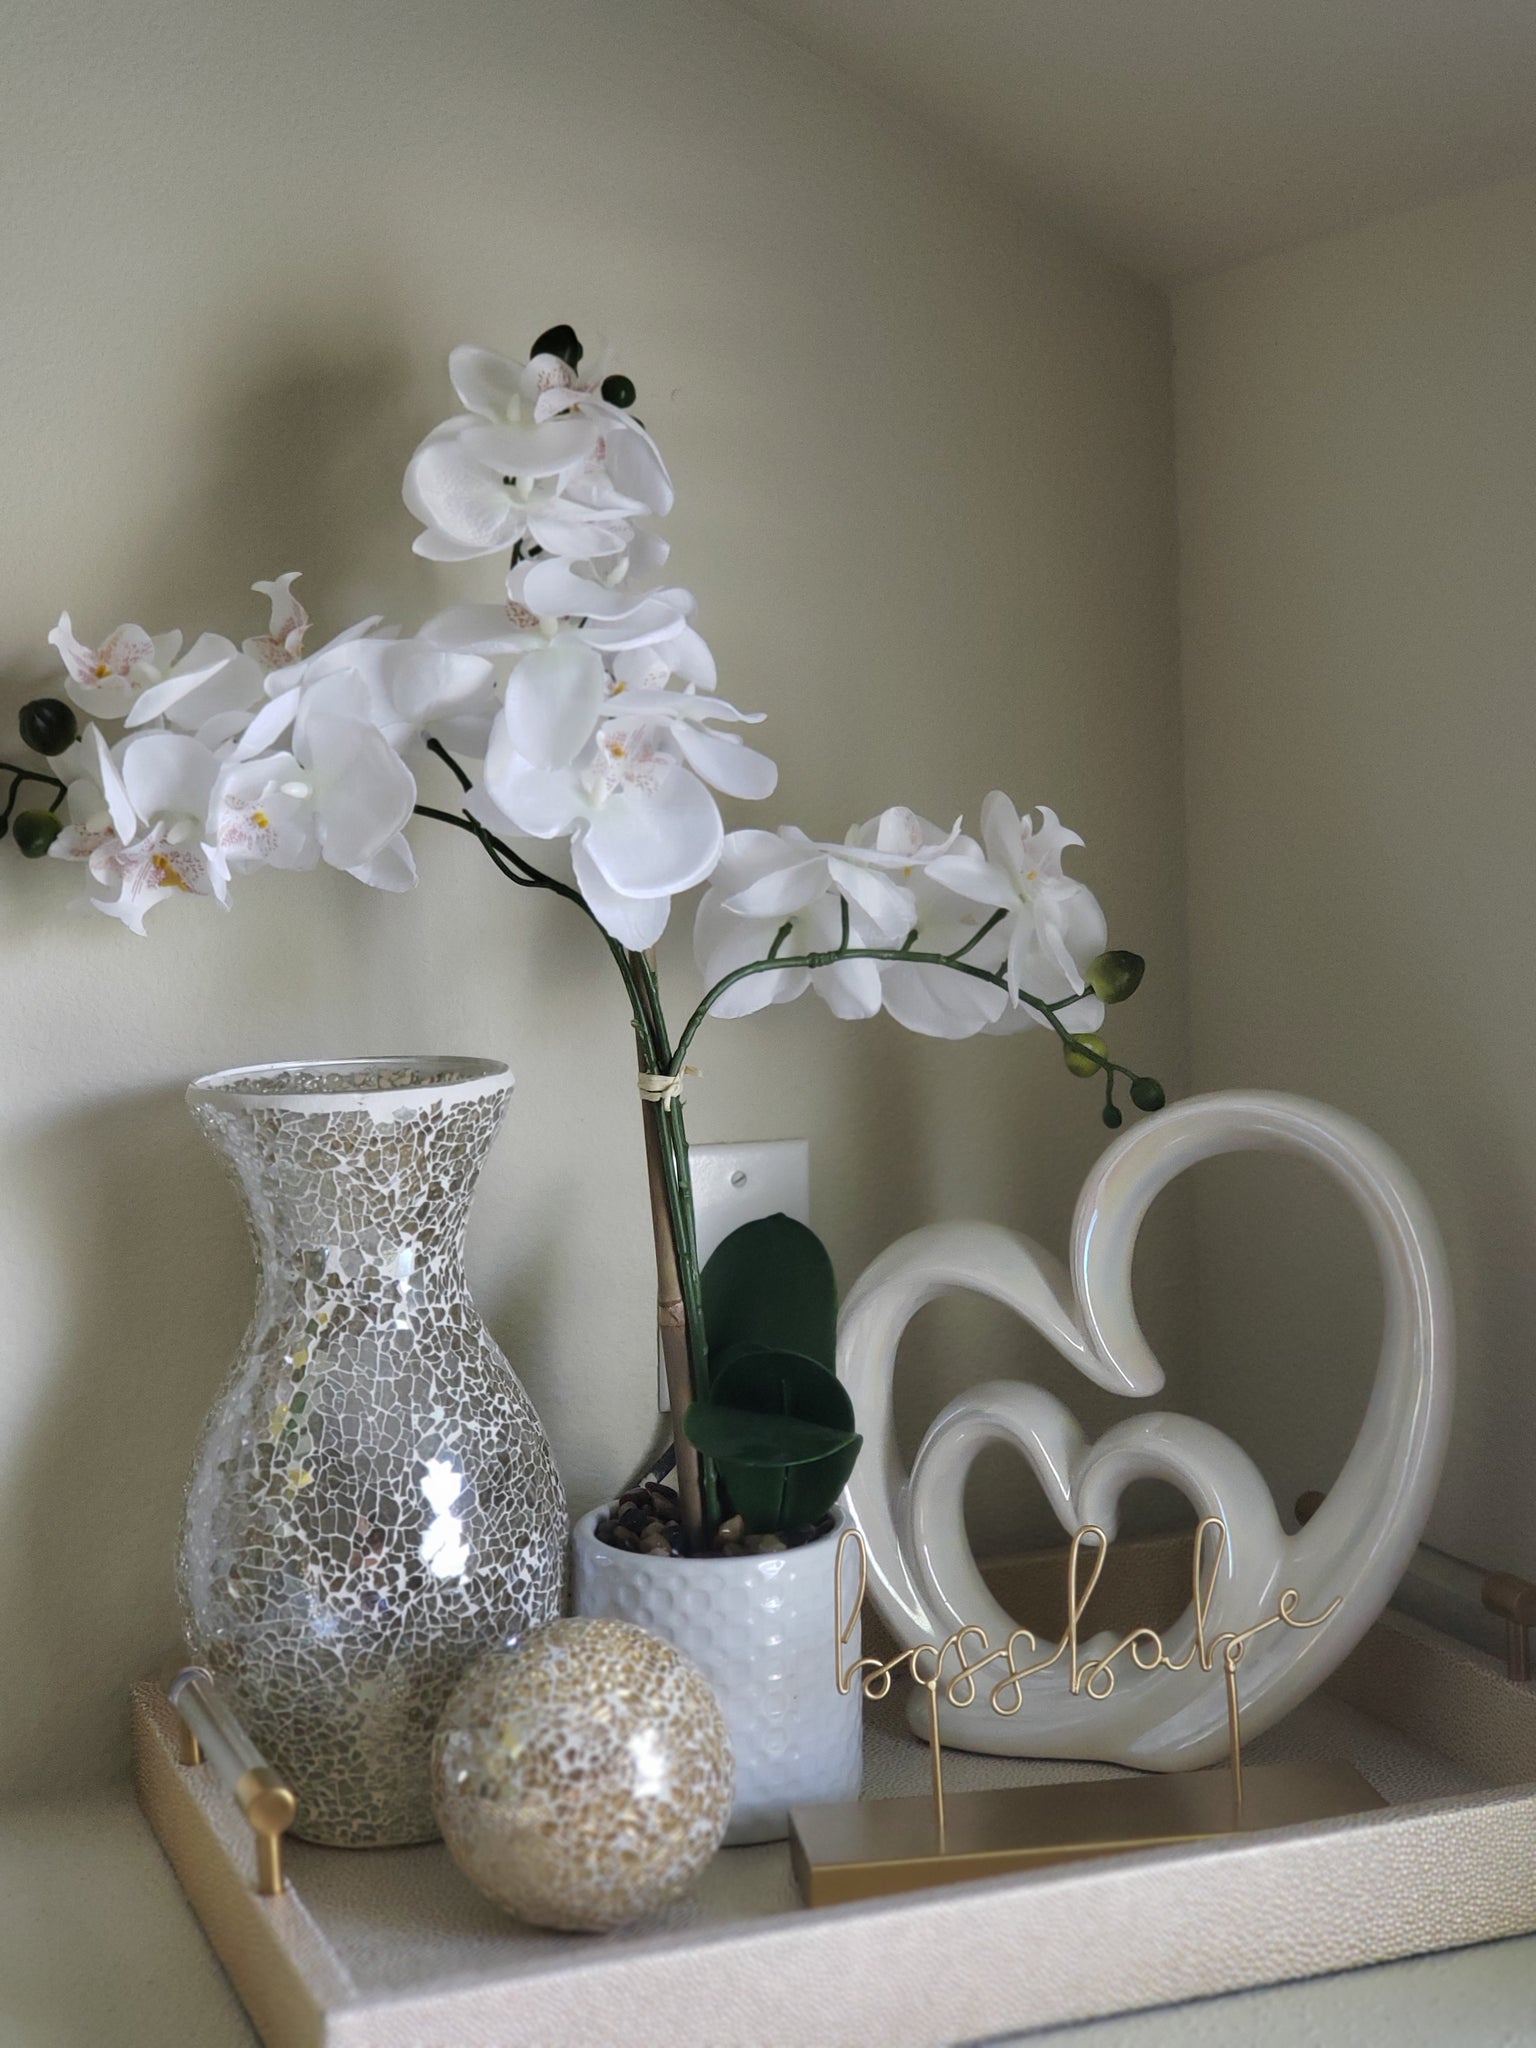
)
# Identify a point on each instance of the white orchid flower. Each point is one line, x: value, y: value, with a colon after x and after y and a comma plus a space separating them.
x: 508, y: 393
x: 155, y: 789
x: 935, y: 1001
x: 151, y: 870
x: 355, y: 790
x: 549, y: 597
x: 104, y: 832
x: 283, y: 642
x: 725, y: 938
x: 1054, y: 925
x: 882, y: 873
x: 261, y: 815
x: 872, y: 868
x: 91, y: 823
x: 408, y: 689
x: 105, y: 680
x: 462, y: 486
x: 537, y: 457
x: 620, y: 774
x: 213, y: 681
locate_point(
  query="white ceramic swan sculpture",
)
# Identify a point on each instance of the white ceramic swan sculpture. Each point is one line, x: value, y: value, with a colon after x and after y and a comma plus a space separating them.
x: 922, y: 1575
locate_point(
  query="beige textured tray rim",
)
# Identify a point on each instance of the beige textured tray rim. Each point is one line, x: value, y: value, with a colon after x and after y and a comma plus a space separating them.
x: 1067, y: 1943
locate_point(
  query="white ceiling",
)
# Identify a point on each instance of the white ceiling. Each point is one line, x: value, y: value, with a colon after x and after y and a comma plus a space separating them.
x: 1185, y: 135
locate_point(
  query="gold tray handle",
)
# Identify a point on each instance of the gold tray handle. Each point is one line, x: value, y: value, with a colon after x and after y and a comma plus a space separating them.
x: 263, y: 1795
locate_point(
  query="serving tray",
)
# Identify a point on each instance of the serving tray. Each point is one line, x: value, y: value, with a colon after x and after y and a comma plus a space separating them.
x: 394, y: 1949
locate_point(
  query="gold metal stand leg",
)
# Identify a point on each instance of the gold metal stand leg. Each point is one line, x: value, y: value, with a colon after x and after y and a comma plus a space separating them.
x: 936, y: 1759
x: 1234, y: 1732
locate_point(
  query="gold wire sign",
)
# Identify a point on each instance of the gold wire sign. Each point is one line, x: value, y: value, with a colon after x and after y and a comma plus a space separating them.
x: 865, y: 1847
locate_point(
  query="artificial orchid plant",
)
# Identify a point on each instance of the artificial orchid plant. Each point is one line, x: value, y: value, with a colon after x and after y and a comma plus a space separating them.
x: 583, y: 711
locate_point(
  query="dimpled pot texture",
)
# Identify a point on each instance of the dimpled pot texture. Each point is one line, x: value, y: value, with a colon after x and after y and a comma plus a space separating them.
x: 763, y: 1632
x: 583, y: 1779
x: 373, y: 1503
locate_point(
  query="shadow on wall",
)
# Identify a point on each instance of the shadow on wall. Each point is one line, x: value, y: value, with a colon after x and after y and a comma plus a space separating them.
x: 302, y: 454
x: 94, y: 1502
x: 306, y: 457
x: 302, y: 470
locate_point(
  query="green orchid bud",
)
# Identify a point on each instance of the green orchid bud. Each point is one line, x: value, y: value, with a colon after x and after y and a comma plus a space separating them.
x: 48, y: 725
x: 559, y: 341
x: 1147, y: 1093
x: 1112, y: 1116
x: 1115, y: 976
x: 34, y: 832
x: 618, y: 391
x: 1080, y: 1062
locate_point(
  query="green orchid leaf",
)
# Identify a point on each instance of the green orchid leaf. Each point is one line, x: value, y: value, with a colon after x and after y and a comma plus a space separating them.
x: 770, y: 1284
x: 780, y: 1430
x: 811, y: 1490
x: 738, y: 1437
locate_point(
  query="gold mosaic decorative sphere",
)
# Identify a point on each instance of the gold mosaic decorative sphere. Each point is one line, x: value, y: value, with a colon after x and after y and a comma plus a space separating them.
x: 583, y: 1779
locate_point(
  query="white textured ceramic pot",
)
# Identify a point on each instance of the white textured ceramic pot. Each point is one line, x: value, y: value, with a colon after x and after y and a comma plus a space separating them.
x: 763, y: 1632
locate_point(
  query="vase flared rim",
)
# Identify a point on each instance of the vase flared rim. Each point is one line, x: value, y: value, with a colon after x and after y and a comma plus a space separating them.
x: 383, y: 1086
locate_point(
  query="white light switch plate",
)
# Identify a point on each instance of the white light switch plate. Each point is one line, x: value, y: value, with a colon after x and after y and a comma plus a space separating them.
x: 736, y: 1184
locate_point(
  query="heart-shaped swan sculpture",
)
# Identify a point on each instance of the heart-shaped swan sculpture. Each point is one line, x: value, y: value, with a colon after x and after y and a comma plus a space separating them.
x: 922, y: 1575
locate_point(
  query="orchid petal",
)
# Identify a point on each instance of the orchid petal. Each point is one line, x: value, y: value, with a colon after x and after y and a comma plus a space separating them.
x: 891, y: 908
x: 433, y: 546
x: 487, y: 383
x: 426, y: 683
x: 393, y: 867
x: 691, y: 659
x: 480, y: 805
x: 554, y: 590
x: 938, y: 1003
x: 480, y: 629
x: 119, y: 807
x: 637, y: 922
x: 724, y: 762
x: 971, y: 876
x: 460, y: 501
x: 543, y: 803
x: 215, y: 677
x: 531, y: 451
x: 723, y: 942
x: 566, y: 529
x: 657, y: 841
x: 283, y: 641
x: 363, y: 790
x: 167, y: 774
x: 634, y: 462
x: 553, y: 698
x: 783, y: 891
x: 269, y: 724
x: 849, y: 988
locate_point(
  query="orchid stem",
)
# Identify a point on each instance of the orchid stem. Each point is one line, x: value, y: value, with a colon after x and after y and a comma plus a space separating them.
x: 18, y: 777
x: 679, y: 1293
x: 905, y: 956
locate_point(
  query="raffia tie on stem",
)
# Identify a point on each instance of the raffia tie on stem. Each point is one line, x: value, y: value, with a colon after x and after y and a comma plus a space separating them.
x: 664, y: 1089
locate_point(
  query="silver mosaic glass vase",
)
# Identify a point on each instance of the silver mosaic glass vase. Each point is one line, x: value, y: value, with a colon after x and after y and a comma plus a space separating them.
x: 373, y: 1502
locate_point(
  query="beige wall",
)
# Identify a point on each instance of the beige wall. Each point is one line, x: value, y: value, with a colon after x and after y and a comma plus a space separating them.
x: 924, y: 467
x: 1357, y: 491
